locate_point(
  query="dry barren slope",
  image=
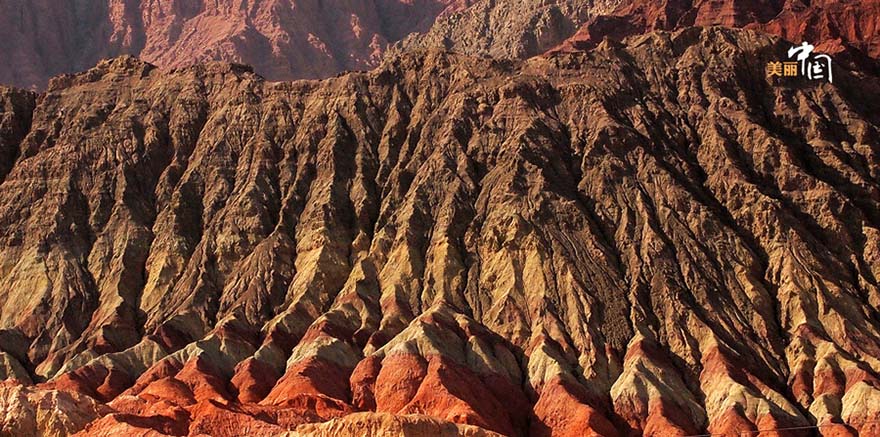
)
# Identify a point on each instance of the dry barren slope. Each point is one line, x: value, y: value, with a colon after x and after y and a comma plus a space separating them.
x: 645, y: 239
x: 282, y: 39
x: 507, y: 29
x: 514, y: 29
x: 294, y: 39
x: 835, y: 26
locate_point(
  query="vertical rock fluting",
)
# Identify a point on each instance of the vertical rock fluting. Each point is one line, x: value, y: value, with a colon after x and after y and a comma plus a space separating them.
x: 650, y: 239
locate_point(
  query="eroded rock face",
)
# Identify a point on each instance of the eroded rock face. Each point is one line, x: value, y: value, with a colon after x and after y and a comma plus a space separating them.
x: 508, y: 29
x: 16, y: 109
x: 282, y: 39
x: 643, y: 239
x: 28, y: 411
x: 516, y: 29
x: 296, y: 39
x: 835, y: 26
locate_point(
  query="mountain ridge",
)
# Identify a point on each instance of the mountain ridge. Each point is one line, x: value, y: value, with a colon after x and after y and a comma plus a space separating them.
x: 283, y: 39
x: 649, y: 238
x: 305, y: 39
x: 834, y: 26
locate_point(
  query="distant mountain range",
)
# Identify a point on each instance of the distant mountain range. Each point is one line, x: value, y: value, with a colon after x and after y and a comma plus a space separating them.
x: 308, y: 39
x: 282, y: 39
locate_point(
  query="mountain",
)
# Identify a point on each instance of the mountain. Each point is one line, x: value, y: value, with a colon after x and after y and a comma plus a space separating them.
x: 282, y: 39
x: 510, y: 29
x: 310, y: 39
x: 521, y: 29
x: 642, y: 239
x: 834, y: 26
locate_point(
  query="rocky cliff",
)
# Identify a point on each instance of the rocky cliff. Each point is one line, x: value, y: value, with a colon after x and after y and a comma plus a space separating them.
x: 508, y: 29
x: 835, y: 26
x: 296, y: 39
x: 644, y: 239
x: 282, y: 39
x: 516, y: 29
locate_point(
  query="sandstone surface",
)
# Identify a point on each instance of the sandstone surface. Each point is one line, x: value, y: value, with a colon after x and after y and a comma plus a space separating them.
x: 650, y: 238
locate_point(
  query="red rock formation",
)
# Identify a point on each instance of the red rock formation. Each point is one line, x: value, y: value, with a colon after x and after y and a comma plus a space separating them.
x: 253, y: 380
x: 563, y: 411
x: 651, y: 238
x: 833, y: 25
x: 361, y: 424
x: 282, y: 39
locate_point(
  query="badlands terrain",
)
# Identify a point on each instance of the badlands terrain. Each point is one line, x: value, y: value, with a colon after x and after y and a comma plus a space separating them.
x: 309, y: 39
x: 577, y: 235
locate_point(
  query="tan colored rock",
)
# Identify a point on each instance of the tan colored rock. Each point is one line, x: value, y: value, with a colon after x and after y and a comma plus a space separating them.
x: 30, y: 411
x: 647, y: 238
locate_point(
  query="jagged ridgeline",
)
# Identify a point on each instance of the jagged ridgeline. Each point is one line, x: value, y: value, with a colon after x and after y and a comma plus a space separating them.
x: 645, y: 239
x: 309, y: 39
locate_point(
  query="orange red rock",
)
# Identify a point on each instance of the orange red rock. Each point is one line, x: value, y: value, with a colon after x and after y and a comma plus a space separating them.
x: 650, y: 238
x: 834, y: 26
